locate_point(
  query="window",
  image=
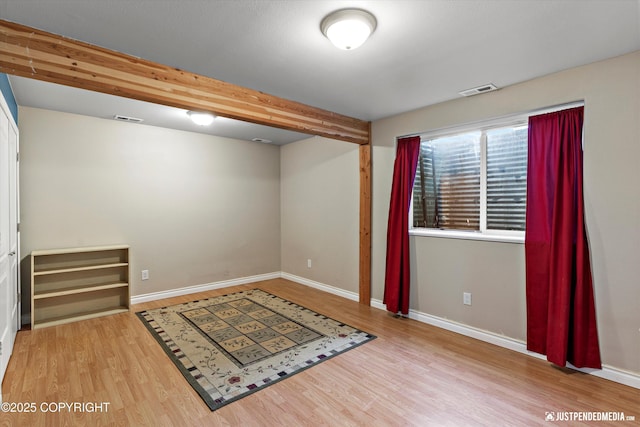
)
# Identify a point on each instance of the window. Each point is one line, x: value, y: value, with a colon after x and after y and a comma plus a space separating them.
x: 506, y: 178
x: 473, y: 180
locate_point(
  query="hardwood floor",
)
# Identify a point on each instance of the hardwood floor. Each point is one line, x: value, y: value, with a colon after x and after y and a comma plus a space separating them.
x: 413, y: 374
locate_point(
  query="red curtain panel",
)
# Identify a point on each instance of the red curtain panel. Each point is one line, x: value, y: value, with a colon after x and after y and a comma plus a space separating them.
x: 397, y: 275
x: 561, y: 318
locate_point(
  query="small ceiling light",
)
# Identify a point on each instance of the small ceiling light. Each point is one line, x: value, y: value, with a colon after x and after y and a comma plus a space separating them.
x: 201, y: 118
x: 348, y: 28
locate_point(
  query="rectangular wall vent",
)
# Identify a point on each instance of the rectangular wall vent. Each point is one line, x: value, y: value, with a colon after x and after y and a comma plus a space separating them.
x: 480, y: 89
x: 127, y: 119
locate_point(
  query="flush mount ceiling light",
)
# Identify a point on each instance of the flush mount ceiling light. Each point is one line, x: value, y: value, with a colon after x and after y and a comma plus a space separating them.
x: 200, y: 117
x: 348, y: 28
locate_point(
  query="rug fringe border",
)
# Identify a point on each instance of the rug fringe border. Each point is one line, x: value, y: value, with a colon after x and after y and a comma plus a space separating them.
x: 214, y: 404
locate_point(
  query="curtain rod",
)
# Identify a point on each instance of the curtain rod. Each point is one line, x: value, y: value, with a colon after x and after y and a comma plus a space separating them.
x: 535, y: 112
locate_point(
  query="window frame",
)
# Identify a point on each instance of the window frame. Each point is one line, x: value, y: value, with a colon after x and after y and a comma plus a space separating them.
x: 506, y: 236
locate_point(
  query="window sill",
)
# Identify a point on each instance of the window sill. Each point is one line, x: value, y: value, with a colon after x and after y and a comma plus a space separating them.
x: 466, y: 235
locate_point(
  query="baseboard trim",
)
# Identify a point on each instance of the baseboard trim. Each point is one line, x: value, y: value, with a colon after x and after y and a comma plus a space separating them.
x: 607, y: 372
x: 153, y: 296
x: 321, y: 286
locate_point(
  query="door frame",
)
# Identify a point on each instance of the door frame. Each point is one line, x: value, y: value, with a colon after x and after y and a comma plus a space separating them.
x: 10, y: 253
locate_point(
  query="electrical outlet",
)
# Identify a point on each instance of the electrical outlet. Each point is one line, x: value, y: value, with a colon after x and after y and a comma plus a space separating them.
x: 466, y: 298
x: 309, y: 263
x: 145, y: 274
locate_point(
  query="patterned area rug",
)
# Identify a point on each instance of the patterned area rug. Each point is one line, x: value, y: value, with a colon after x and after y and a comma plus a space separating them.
x: 232, y: 345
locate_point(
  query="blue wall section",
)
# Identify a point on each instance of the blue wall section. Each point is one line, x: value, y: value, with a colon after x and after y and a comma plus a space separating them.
x: 5, y: 88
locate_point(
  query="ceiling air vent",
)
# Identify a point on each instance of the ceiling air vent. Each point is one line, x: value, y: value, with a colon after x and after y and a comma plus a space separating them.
x: 127, y: 119
x: 264, y: 141
x: 480, y: 89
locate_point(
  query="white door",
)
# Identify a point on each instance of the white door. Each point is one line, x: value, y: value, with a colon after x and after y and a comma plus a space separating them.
x: 14, y: 231
x: 9, y: 246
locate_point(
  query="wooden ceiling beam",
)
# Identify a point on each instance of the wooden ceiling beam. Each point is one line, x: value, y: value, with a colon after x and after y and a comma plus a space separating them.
x: 36, y: 54
x: 32, y: 53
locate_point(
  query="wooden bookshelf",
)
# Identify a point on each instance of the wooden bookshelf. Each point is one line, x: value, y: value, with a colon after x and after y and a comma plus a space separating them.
x: 74, y: 284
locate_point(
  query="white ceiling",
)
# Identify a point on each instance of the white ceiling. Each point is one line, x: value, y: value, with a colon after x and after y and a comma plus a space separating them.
x: 422, y: 52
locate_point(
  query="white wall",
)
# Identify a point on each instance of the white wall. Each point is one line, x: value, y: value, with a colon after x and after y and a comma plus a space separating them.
x: 319, y: 205
x: 494, y: 272
x: 194, y: 208
x: 173, y: 196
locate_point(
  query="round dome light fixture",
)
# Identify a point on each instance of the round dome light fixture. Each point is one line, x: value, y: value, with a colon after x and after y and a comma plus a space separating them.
x: 201, y: 118
x: 348, y: 29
